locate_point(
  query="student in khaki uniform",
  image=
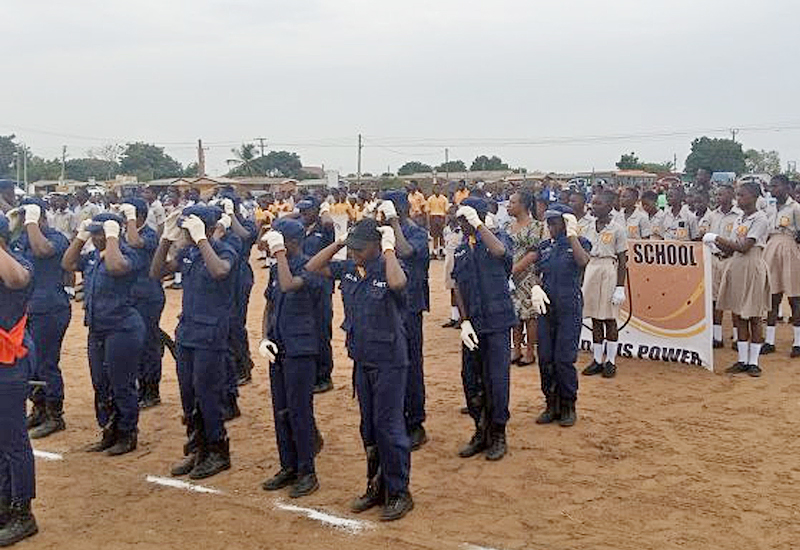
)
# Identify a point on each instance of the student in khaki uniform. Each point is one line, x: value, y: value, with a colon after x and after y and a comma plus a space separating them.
x: 604, y: 284
x: 723, y: 224
x: 636, y: 220
x: 437, y: 214
x: 744, y: 289
x: 577, y: 201
x: 698, y: 203
x: 677, y: 222
x: 783, y: 260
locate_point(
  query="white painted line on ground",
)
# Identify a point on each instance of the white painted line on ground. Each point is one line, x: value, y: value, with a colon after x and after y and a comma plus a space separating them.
x: 178, y: 484
x: 468, y: 546
x: 47, y: 456
x: 351, y: 525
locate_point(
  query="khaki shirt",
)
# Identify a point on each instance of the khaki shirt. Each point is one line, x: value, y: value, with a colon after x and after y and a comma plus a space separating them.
x: 706, y: 222
x: 784, y: 219
x: 755, y: 226
x: 63, y: 221
x: 724, y: 224
x: 86, y: 212
x: 637, y: 224
x: 609, y: 242
x: 437, y: 205
x: 682, y: 227
x: 585, y: 223
x: 156, y: 215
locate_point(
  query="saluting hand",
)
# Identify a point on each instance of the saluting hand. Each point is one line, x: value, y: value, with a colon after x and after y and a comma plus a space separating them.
x: 469, y: 214
x: 196, y: 228
x: 274, y: 241
x: 572, y: 224
x: 387, y: 238
x: 83, y: 231
x: 129, y: 211
x: 387, y: 209
x: 171, y: 230
x: 111, y: 229
x: 32, y: 213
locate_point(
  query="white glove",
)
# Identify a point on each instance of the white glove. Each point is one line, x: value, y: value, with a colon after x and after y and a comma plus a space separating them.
x: 83, y: 231
x: 111, y: 229
x: 369, y: 209
x: 14, y: 216
x: 619, y: 296
x: 324, y: 208
x: 32, y: 213
x: 274, y: 241
x: 387, y: 238
x: 468, y: 336
x: 171, y: 230
x: 470, y: 214
x: 710, y: 238
x: 225, y: 221
x: 268, y: 350
x: 227, y: 206
x: 490, y: 223
x: 129, y: 211
x: 572, y: 224
x: 539, y: 300
x: 196, y: 228
x: 388, y: 210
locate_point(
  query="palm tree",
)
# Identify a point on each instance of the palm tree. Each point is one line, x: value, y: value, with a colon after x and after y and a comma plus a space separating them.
x: 243, y: 161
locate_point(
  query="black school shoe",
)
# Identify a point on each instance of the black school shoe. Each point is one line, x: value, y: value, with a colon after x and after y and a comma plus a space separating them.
x: 593, y: 368
x: 216, y: 459
x: 718, y: 344
x: 397, y: 507
x: 609, y: 370
x: 283, y: 478
x: 737, y: 368
x: 305, y: 485
x: 766, y: 349
x: 795, y: 352
x: 418, y: 437
x: 126, y: 442
x: 754, y: 370
x: 323, y: 386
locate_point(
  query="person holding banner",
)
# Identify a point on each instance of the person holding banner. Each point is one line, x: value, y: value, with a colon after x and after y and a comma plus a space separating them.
x: 604, y: 284
x: 724, y: 222
x: 744, y: 289
x: 783, y: 260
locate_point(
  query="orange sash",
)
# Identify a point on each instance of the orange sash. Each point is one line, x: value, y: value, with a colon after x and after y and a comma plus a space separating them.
x: 11, y: 347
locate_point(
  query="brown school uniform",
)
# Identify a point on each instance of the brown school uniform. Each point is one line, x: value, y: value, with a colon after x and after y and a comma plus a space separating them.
x: 744, y: 286
x: 682, y: 227
x: 637, y: 224
x: 723, y: 225
x: 782, y: 253
x: 600, y: 277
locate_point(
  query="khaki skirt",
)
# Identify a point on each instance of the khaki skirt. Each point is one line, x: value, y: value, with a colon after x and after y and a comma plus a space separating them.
x: 599, y: 282
x: 782, y: 256
x: 744, y: 288
x: 717, y: 267
x: 449, y: 263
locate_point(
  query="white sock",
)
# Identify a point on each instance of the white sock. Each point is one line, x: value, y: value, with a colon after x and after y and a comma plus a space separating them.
x: 598, y: 353
x: 755, y: 352
x: 770, y: 335
x: 178, y: 277
x: 735, y: 333
x: 796, y: 331
x: 611, y: 352
x: 454, y: 314
x: 744, y: 349
x: 718, y: 333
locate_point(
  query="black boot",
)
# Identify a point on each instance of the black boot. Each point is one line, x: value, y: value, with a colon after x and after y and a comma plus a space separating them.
x: 283, y: 478
x: 418, y: 437
x: 108, y: 439
x: 305, y: 485
x: 568, y: 414
x: 497, y: 448
x: 323, y: 386
x: 151, y: 396
x: 552, y: 412
x: 231, y: 409
x: 126, y: 442
x: 4, y: 511
x: 319, y: 442
x: 20, y: 525
x: 476, y: 444
x: 191, y: 453
x: 37, y: 416
x: 215, y: 461
x: 397, y: 506
x: 54, y: 422
x: 373, y: 496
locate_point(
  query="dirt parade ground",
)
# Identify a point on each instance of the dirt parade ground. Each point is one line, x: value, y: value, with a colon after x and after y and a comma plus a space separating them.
x: 663, y: 456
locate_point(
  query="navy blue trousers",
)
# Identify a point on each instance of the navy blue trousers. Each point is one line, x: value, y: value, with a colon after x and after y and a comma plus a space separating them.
x: 47, y: 331
x: 202, y: 380
x: 114, y: 364
x: 415, y: 386
x: 325, y: 357
x: 559, y: 337
x: 150, y: 362
x: 292, y: 384
x: 485, y: 376
x: 381, y: 394
x: 17, y: 475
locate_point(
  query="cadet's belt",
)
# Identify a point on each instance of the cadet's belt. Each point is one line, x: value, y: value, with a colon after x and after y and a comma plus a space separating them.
x: 11, y: 346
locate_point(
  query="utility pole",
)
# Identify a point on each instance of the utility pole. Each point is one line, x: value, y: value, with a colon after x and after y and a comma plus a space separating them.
x: 25, y: 168
x: 734, y: 131
x: 674, y: 162
x: 201, y: 159
x: 63, y: 163
x: 262, y: 144
x: 447, y: 164
x: 360, y: 146
x: 16, y: 164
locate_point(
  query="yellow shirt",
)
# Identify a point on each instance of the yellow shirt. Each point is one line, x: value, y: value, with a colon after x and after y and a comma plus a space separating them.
x: 340, y: 208
x: 263, y: 216
x: 417, y: 202
x: 437, y: 205
x: 356, y: 212
x: 460, y: 196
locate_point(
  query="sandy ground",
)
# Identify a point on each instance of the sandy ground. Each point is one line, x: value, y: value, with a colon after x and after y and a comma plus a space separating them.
x: 662, y: 457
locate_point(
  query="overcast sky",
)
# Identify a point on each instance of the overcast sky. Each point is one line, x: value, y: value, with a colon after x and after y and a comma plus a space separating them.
x: 503, y: 77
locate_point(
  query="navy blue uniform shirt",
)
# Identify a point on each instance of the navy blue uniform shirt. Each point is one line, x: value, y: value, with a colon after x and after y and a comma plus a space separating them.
x: 108, y: 299
x: 14, y: 303
x: 145, y: 288
x: 416, y: 265
x: 561, y: 276
x: 48, y: 287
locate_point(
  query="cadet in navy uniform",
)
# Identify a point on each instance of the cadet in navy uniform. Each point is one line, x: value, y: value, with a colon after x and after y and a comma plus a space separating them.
x: 291, y: 345
x: 560, y: 262
x: 202, y: 336
x: 17, y: 480
x: 482, y: 269
x: 148, y: 299
x: 373, y: 290
x: 414, y: 254
x: 320, y: 233
x: 49, y: 314
x: 116, y: 330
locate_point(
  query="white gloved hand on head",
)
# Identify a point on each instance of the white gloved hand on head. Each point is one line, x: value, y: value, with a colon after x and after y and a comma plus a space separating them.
x: 490, y: 221
x: 171, y: 230
x: 324, y: 208
x: 111, y: 229
x: 196, y: 228
x: 388, y: 240
x: 572, y: 224
x: 469, y: 214
x: 227, y: 206
x: 83, y: 231
x: 619, y: 296
x: 369, y: 209
x: 387, y: 209
x: 274, y: 241
x: 15, y: 218
x: 225, y: 221
x: 268, y: 350
x: 129, y: 211
x: 32, y: 213
x: 539, y: 300
x: 710, y: 238
x: 468, y: 335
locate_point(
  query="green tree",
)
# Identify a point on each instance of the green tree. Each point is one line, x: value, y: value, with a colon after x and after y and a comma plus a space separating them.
x: 7, y: 150
x: 148, y: 162
x: 629, y: 162
x: 452, y: 166
x: 717, y: 155
x: 483, y: 162
x: 414, y: 167
x: 192, y: 170
x: 280, y: 164
x: 762, y: 161
x: 84, y: 169
x: 243, y: 161
x: 42, y: 169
